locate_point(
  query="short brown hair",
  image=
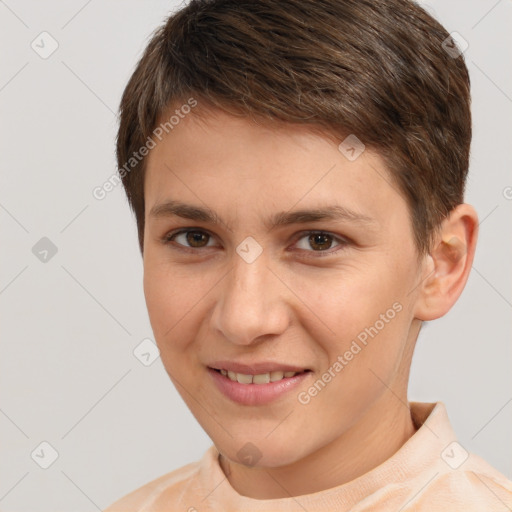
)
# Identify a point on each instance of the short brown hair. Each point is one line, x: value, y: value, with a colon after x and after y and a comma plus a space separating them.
x: 378, y: 69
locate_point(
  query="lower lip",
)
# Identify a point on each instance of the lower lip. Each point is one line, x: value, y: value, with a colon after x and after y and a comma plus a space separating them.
x: 256, y: 394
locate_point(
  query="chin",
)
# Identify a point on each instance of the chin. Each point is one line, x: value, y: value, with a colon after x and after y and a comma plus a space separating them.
x: 263, y: 453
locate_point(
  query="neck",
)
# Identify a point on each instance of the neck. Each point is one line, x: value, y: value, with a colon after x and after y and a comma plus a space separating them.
x: 373, y: 440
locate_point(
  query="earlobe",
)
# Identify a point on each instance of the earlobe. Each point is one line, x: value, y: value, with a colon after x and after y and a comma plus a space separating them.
x: 451, y: 259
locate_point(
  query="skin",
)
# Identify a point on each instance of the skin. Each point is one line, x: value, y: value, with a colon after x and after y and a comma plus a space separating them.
x: 299, y: 302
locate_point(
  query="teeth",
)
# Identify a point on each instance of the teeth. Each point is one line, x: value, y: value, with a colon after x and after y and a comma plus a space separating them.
x: 276, y: 376
x: 244, y: 379
x: 263, y: 378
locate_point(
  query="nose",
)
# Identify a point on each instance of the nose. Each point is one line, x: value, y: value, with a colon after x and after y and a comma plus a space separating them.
x: 251, y: 304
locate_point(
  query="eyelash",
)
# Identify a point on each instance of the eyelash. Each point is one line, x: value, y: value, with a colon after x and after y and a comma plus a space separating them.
x: 342, y: 241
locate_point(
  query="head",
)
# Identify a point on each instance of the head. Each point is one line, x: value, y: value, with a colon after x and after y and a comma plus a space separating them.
x: 299, y: 206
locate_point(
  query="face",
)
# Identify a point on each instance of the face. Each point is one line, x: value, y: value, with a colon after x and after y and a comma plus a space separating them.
x: 279, y: 277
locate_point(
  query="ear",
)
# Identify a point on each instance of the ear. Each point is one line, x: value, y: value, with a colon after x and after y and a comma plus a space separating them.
x: 448, y: 265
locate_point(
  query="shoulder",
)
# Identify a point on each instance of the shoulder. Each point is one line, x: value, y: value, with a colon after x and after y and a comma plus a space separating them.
x: 474, y: 488
x: 172, y: 484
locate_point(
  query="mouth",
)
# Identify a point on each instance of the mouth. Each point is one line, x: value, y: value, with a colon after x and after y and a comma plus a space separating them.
x: 260, y: 378
x: 256, y: 384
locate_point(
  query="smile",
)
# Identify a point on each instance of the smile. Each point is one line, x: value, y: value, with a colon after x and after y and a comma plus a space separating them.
x: 256, y: 388
x: 262, y: 378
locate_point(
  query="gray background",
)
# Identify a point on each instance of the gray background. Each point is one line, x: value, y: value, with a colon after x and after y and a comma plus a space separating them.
x: 70, y: 324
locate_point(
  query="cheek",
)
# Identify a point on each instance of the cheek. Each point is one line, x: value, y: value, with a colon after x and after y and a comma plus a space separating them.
x: 363, y: 319
x: 178, y: 301
x: 363, y: 359
x: 170, y: 300
x: 160, y: 300
x: 349, y: 302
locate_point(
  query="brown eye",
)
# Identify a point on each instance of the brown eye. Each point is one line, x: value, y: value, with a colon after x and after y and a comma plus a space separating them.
x: 197, y: 238
x: 320, y: 241
x: 317, y: 240
x: 193, y: 239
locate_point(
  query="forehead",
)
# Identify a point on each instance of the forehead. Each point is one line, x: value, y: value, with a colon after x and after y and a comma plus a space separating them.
x: 256, y: 168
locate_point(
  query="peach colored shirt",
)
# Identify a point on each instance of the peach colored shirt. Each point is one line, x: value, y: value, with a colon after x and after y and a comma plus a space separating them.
x: 430, y: 472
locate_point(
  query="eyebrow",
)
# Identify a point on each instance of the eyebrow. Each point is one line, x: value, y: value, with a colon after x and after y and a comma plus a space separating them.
x: 172, y: 208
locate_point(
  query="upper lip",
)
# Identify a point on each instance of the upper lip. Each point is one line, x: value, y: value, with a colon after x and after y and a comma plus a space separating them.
x: 255, y: 368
